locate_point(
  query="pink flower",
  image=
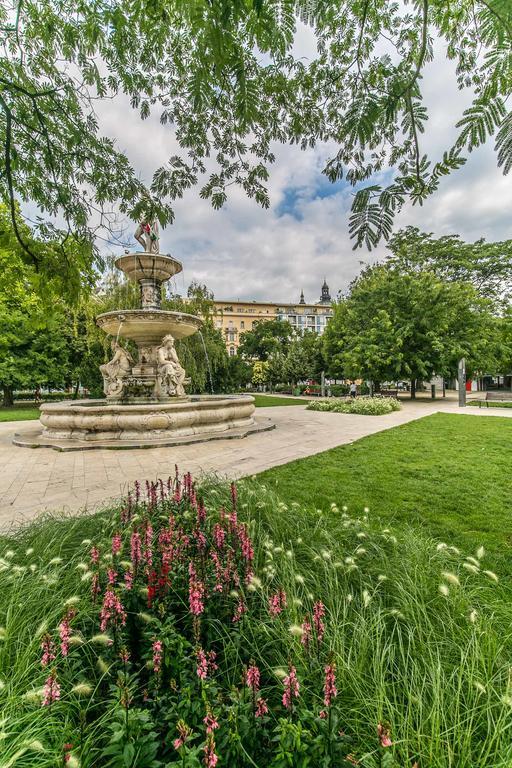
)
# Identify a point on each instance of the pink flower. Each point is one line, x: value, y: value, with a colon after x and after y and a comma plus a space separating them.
x: 202, y: 664
x: 210, y: 722
x: 210, y: 759
x: 318, y: 614
x: 261, y: 708
x: 330, y: 690
x: 48, y: 648
x: 306, y: 633
x: 219, y: 535
x: 95, y: 586
x: 112, y: 609
x: 65, y: 631
x: 148, y: 544
x: 157, y: 656
x: 277, y: 602
x: 128, y: 580
x: 245, y: 543
x: 117, y: 544
x: 184, y: 732
x: 51, y: 691
x: 240, y: 609
x: 195, y: 592
x: 384, y: 735
x: 95, y: 555
x: 111, y: 575
x: 291, y: 688
x: 124, y: 655
x: 205, y: 663
x: 252, y: 678
x: 135, y: 549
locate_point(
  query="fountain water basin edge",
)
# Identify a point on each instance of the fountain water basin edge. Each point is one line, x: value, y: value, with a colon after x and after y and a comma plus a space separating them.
x: 86, y: 424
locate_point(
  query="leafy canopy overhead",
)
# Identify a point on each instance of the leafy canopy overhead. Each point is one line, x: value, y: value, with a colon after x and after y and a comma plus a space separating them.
x: 225, y: 76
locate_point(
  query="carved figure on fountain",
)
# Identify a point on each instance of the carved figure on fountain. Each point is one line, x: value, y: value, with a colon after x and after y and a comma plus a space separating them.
x: 147, y: 235
x: 116, y: 370
x: 170, y: 374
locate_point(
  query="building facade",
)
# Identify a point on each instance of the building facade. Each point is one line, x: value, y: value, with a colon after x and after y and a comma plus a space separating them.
x: 236, y: 317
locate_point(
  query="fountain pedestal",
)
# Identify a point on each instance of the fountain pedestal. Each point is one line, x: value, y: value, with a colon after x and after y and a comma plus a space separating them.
x: 145, y: 403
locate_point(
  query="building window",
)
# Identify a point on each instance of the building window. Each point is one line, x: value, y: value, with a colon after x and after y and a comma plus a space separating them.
x: 232, y: 352
x: 242, y: 324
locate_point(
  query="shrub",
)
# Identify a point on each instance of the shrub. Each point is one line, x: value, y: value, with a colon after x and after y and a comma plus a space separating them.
x: 366, y: 406
x: 194, y: 622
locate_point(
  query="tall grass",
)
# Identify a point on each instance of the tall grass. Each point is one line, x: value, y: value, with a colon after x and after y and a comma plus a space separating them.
x: 421, y: 635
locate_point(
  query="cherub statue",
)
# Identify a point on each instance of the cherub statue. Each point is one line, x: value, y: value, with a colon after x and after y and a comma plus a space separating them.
x: 116, y: 370
x: 170, y: 374
x: 148, y: 236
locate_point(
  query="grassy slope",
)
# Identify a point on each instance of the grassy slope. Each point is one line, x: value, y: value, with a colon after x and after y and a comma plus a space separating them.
x: 267, y: 401
x: 450, y: 473
x: 19, y: 413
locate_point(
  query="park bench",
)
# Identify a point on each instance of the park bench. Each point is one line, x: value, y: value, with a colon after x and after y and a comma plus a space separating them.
x: 496, y: 397
x: 388, y: 393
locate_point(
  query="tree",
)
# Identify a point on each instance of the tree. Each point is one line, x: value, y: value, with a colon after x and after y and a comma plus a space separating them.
x: 224, y: 74
x: 265, y: 338
x: 488, y: 266
x: 34, y: 320
x: 297, y: 363
x: 394, y: 326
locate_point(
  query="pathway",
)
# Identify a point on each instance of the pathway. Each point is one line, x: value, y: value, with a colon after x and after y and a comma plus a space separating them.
x: 34, y: 480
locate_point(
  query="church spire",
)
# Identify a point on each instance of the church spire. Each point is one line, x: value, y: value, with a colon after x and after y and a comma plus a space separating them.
x: 302, y: 300
x: 325, y: 297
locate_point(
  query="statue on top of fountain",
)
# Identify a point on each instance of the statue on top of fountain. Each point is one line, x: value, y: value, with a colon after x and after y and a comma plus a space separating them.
x: 116, y: 370
x: 147, y: 235
x: 170, y: 374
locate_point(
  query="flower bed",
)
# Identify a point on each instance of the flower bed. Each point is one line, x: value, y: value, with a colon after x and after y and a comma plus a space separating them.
x: 214, y: 625
x: 365, y: 406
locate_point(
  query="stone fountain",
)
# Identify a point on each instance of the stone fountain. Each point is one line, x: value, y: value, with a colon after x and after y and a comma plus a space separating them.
x: 145, y: 400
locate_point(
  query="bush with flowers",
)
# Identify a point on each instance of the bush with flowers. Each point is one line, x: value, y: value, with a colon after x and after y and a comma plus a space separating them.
x: 364, y: 405
x: 203, y: 626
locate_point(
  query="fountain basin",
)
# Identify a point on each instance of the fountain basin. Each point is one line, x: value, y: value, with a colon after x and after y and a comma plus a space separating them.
x: 147, y: 327
x: 83, y: 424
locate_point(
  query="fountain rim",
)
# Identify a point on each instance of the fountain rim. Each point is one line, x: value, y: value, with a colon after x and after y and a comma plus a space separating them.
x: 102, y: 404
x: 174, y: 313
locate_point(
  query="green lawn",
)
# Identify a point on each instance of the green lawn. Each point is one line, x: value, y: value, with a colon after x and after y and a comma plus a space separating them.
x: 449, y: 473
x: 19, y: 413
x: 267, y: 401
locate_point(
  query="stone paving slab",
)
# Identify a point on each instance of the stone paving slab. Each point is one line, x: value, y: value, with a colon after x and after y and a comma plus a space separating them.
x: 35, y: 480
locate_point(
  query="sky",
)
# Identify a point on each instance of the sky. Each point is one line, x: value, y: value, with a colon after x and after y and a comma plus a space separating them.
x: 249, y: 253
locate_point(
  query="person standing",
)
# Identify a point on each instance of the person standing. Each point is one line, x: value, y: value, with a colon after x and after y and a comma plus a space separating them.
x: 353, y: 389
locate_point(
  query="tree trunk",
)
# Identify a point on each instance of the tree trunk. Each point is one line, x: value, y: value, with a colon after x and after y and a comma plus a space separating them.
x: 413, y: 389
x: 8, y: 399
x: 75, y: 393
